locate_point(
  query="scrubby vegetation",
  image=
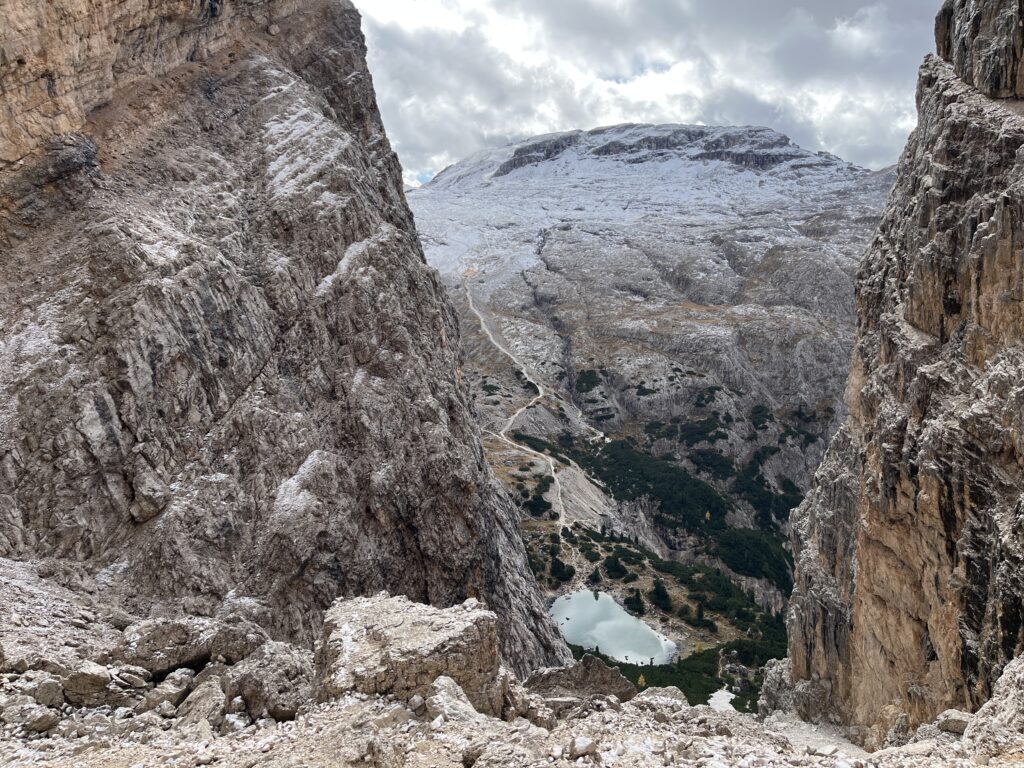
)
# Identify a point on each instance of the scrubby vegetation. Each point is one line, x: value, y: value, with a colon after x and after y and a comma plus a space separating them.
x: 528, y: 385
x: 704, y: 430
x: 711, y: 589
x: 707, y: 396
x: 750, y: 552
x: 614, y: 569
x: 713, y: 463
x: 634, y: 603
x: 697, y: 675
x: 541, y: 446
x: 751, y: 486
x: 536, y: 504
x: 760, y: 415
x: 587, y: 381
x: 685, y: 502
x: 660, y: 597
x: 560, y: 571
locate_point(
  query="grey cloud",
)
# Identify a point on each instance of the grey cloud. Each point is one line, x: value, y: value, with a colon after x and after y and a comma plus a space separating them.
x: 445, y: 95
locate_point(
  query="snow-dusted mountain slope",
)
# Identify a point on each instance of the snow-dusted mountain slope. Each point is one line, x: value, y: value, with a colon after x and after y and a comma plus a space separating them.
x: 690, y: 287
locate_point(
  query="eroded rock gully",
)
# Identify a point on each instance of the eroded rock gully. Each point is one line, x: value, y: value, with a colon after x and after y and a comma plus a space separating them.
x: 910, y: 580
x: 229, y: 384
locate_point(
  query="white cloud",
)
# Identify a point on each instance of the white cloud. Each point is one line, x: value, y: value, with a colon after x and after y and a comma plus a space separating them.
x: 454, y: 76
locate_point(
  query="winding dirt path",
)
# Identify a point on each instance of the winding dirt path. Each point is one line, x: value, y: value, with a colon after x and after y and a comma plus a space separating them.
x: 541, y: 394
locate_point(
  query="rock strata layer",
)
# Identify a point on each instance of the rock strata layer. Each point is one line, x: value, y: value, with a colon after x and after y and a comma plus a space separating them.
x: 229, y: 384
x: 910, y: 580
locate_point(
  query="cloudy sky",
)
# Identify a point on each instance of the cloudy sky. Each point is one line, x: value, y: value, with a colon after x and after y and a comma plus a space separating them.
x: 454, y: 76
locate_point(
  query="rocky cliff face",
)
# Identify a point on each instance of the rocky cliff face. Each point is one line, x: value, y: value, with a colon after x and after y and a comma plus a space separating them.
x: 229, y: 383
x: 909, y: 569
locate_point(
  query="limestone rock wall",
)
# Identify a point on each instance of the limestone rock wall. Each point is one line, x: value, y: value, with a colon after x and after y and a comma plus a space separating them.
x: 910, y: 577
x: 61, y: 60
x: 229, y: 384
x: 984, y: 40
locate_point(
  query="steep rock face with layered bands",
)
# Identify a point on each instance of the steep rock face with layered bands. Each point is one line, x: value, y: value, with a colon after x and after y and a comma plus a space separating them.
x: 228, y: 381
x: 910, y: 575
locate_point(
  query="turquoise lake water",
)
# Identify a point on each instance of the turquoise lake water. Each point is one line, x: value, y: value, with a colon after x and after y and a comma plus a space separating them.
x: 595, y: 620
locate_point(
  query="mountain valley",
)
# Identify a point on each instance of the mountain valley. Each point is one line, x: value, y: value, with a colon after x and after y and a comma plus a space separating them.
x: 658, y: 322
x: 301, y: 468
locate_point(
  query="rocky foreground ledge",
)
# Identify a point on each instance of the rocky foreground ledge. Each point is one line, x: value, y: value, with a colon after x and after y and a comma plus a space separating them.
x: 389, y: 683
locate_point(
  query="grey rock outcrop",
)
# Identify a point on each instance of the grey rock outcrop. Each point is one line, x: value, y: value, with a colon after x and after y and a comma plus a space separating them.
x: 443, y: 726
x: 446, y: 700
x: 172, y: 690
x: 206, y: 704
x: 46, y: 627
x: 274, y: 681
x: 998, y: 727
x: 777, y: 688
x: 984, y: 41
x: 228, y: 381
x: 388, y: 645
x: 587, y: 677
x: 162, y: 645
x: 910, y: 579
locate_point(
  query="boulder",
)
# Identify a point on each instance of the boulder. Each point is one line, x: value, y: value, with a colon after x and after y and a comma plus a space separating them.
x: 160, y: 645
x: 669, y: 693
x: 172, y: 690
x: 520, y: 702
x: 132, y: 676
x: 447, y: 700
x: 206, y: 703
x: 581, y: 746
x: 954, y: 721
x: 86, y: 684
x: 999, y: 725
x: 777, y: 688
x: 660, y: 704
x: 587, y: 677
x: 274, y: 681
x: 30, y: 716
x: 390, y: 645
x: 45, y: 688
